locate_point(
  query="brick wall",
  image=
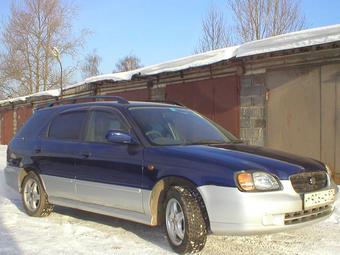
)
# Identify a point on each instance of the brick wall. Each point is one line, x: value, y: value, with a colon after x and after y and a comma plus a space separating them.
x: 252, y: 109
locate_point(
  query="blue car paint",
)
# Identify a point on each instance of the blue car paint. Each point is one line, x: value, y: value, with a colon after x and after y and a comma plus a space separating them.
x: 208, y: 165
x: 117, y: 164
x: 127, y: 164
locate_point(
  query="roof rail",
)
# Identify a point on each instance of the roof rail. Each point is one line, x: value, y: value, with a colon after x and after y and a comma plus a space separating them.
x: 73, y: 100
x: 166, y: 102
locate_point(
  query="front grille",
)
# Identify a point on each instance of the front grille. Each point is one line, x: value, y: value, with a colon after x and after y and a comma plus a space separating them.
x: 307, y: 215
x: 309, y: 181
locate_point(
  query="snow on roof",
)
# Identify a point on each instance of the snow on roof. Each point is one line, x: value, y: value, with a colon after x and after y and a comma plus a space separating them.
x: 201, y: 59
x: 294, y: 40
x: 303, y: 38
x: 47, y: 93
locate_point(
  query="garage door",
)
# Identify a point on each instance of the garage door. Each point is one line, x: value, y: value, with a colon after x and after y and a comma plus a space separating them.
x: 217, y: 99
x: 23, y: 113
x: 6, y: 126
x: 294, y: 111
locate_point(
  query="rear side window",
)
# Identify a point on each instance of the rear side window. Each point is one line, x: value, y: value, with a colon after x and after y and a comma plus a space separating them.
x: 34, y: 124
x: 67, y: 126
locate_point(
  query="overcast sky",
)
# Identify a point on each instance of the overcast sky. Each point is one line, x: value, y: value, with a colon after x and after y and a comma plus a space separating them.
x: 156, y: 30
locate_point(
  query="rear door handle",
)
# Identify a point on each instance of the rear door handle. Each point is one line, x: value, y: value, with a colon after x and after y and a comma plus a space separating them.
x: 85, y: 154
x: 37, y: 149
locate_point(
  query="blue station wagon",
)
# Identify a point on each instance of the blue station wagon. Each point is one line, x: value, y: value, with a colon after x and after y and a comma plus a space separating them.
x: 162, y: 164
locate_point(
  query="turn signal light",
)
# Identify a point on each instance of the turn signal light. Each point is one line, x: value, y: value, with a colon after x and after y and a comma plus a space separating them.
x: 245, y: 180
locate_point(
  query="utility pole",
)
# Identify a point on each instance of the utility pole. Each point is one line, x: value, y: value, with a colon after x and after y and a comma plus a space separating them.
x: 56, y: 54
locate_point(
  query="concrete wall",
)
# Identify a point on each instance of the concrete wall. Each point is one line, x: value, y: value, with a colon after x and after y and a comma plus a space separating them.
x: 252, y: 109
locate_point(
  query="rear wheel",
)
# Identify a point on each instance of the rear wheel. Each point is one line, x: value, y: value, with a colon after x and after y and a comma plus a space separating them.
x: 34, y: 197
x: 184, y: 220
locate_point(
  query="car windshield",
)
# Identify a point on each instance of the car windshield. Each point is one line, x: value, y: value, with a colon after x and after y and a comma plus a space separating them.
x: 178, y: 126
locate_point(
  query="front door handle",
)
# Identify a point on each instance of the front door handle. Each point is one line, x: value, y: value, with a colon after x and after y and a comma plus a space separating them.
x: 37, y: 150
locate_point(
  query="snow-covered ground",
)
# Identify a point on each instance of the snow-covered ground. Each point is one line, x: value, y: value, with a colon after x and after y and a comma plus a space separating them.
x: 68, y: 231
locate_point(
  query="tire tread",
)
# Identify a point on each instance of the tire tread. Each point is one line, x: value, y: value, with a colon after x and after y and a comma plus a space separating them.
x: 196, y: 225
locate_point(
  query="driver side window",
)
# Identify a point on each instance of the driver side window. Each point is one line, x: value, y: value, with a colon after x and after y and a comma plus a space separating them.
x: 101, y: 122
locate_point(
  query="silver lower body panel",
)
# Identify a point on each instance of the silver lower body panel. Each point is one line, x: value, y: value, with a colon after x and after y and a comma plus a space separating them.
x: 117, y: 201
x: 108, y: 195
x: 105, y: 210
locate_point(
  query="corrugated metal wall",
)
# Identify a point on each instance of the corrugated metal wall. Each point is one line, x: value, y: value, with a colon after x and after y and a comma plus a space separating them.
x: 22, y: 114
x: 6, y: 125
x: 217, y: 99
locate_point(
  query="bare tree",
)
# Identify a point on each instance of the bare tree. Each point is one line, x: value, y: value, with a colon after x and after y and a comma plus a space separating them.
x: 215, y: 32
x: 128, y: 63
x: 258, y: 19
x: 27, y: 64
x: 91, y: 65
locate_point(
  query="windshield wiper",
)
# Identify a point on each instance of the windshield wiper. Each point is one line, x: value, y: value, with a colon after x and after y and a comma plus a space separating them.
x: 203, y: 142
x: 236, y: 141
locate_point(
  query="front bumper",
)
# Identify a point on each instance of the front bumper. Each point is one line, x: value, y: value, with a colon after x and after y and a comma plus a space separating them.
x: 232, y: 212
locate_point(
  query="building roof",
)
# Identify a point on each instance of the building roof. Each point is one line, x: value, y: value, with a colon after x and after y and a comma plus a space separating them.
x: 289, y: 41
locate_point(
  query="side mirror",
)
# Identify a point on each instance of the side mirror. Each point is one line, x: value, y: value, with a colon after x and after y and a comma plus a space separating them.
x: 117, y: 136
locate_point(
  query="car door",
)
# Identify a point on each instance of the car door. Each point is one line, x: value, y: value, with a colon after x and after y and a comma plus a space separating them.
x: 57, y: 152
x: 109, y: 174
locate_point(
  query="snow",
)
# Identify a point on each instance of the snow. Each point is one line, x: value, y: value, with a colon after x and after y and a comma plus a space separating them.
x: 47, y: 93
x: 303, y: 38
x: 70, y: 231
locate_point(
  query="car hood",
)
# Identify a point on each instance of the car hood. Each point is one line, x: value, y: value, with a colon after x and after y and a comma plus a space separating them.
x: 237, y: 157
x: 306, y: 163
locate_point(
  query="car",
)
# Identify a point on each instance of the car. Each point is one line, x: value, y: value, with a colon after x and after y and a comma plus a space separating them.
x: 162, y: 164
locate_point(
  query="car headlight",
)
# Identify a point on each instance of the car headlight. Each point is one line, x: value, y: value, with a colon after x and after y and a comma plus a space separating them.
x: 257, y: 181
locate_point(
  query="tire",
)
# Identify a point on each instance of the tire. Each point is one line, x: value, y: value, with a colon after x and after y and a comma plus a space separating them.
x: 34, y: 197
x: 185, y: 223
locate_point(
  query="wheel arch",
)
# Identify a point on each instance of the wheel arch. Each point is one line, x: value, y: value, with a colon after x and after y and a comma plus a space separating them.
x: 24, y: 172
x: 158, y: 196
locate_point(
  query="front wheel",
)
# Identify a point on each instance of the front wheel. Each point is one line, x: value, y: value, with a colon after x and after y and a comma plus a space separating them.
x: 34, y: 197
x: 185, y: 225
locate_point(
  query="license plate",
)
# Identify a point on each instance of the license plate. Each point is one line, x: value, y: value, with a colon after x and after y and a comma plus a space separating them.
x: 320, y: 198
